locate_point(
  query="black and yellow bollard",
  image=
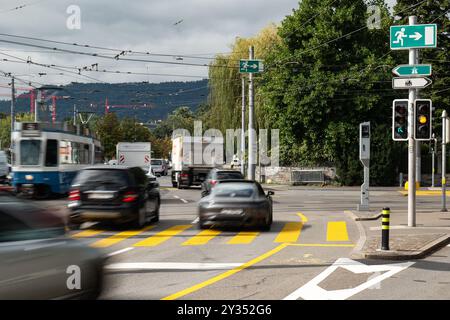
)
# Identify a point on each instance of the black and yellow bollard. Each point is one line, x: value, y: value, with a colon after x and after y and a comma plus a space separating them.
x: 385, y: 229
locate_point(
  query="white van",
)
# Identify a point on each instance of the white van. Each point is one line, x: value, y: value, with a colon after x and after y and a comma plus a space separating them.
x: 3, y: 167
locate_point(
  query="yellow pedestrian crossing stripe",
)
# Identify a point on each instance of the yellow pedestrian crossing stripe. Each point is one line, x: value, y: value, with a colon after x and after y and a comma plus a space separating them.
x: 337, y: 231
x: 243, y: 237
x: 162, y: 236
x: 290, y: 233
x: 121, y: 236
x: 202, y: 237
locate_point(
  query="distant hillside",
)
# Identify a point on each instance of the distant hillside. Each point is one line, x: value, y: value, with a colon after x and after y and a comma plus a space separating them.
x: 146, y: 101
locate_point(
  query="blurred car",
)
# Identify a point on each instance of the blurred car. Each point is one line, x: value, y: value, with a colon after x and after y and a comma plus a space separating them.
x: 118, y: 194
x: 112, y: 162
x: 4, y: 168
x: 159, y: 167
x: 169, y: 165
x: 38, y: 259
x: 236, y: 203
x: 216, y: 175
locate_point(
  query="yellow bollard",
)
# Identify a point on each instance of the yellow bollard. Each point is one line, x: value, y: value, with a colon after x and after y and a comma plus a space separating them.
x: 417, y: 185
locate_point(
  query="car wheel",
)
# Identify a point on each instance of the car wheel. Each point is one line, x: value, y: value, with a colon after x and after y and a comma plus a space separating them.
x: 156, y: 213
x: 141, y: 218
x: 73, y: 226
x: 201, y: 225
x: 174, y: 184
x: 267, y: 224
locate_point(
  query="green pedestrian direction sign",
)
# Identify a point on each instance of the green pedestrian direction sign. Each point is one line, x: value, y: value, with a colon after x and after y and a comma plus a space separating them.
x: 411, y: 70
x: 251, y: 66
x: 413, y: 36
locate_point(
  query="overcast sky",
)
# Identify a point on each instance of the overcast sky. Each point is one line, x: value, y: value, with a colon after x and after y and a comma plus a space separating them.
x: 207, y: 27
x: 180, y: 27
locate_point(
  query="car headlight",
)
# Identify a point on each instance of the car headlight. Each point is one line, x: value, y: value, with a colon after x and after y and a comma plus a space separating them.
x: 29, y: 177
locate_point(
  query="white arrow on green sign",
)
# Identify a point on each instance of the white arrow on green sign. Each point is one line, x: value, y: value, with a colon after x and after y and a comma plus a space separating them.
x: 412, y: 70
x: 251, y: 66
x: 413, y: 36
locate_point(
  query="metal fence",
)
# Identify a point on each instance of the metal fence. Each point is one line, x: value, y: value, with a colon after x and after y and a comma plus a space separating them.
x: 307, y: 176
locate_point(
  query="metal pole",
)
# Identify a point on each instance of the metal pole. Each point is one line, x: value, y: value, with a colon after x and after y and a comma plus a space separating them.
x: 418, y: 148
x: 74, y: 114
x: 37, y: 105
x: 411, y: 144
x: 243, y: 128
x: 444, y: 169
x: 13, y: 100
x: 251, y: 136
x: 433, y: 153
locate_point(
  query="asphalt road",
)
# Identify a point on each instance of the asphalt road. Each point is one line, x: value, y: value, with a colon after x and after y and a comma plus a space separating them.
x: 304, y: 256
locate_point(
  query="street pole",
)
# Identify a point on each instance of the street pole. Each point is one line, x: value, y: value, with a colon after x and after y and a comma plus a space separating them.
x: 444, y: 169
x: 243, y: 128
x: 13, y: 100
x: 37, y: 104
x: 411, y: 143
x: 251, y: 135
x: 418, y: 148
x: 433, y: 152
x: 74, y: 114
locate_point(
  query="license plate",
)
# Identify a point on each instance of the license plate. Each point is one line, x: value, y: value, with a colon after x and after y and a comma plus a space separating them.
x: 102, y: 196
x: 232, y: 211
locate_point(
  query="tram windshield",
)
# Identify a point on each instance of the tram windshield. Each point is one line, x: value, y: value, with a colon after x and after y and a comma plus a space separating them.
x: 29, y: 152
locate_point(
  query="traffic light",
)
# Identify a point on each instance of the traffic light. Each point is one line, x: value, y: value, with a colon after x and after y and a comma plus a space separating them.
x: 422, y: 119
x: 400, y: 120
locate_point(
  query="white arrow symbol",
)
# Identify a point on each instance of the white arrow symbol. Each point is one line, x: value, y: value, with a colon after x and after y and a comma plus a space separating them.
x: 416, y: 36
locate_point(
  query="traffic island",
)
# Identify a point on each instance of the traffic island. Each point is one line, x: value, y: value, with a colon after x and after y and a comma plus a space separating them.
x: 364, y: 215
x: 403, y: 246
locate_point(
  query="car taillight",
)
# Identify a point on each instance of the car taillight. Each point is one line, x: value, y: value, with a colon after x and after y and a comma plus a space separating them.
x: 184, y: 175
x: 74, y: 195
x: 213, y: 182
x: 129, y: 196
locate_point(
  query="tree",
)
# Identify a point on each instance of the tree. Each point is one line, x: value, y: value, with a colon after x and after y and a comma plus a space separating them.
x: 109, y: 133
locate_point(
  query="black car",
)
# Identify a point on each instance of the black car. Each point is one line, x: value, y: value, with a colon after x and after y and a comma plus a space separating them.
x: 114, y: 193
x: 39, y: 260
x: 236, y: 203
x: 217, y: 175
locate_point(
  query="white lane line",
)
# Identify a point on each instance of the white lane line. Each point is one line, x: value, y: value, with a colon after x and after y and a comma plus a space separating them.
x: 312, y: 290
x: 120, y: 251
x: 135, y: 266
x: 185, y: 201
x: 195, y: 221
x: 176, y: 197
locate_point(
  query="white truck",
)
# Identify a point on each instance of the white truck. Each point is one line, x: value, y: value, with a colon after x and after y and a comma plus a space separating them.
x: 193, y: 158
x: 134, y: 154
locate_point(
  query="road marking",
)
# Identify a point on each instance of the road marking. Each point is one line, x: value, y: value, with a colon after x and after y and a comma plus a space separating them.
x: 142, y: 266
x: 119, y: 251
x: 103, y: 243
x: 321, y: 245
x: 87, y: 233
x: 225, y: 274
x: 185, y: 201
x: 176, y: 197
x: 162, y: 236
x: 337, y: 231
x: 303, y: 217
x: 312, y: 290
x: 243, y: 237
x: 196, y: 220
x: 290, y: 233
x: 202, y: 238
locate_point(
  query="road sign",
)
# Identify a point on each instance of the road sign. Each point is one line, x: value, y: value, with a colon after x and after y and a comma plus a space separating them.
x: 410, y: 83
x: 414, y: 70
x: 251, y: 66
x: 413, y: 36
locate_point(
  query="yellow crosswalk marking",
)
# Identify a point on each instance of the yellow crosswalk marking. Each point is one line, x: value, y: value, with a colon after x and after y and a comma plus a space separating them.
x: 337, y: 231
x: 290, y: 233
x: 201, y: 238
x: 243, y: 237
x: 87, y: 233
x: 103, y: 243
x: 162, y: 236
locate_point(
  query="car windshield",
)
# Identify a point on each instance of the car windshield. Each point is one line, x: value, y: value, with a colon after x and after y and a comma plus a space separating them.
x: 229, y: 175
x: 156, y: 162
x: 29, y: 152
x: 102, y: 177
x: 234, y: 190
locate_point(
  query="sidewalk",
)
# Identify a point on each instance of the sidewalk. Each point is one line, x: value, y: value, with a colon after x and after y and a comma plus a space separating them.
x: 431, y: 233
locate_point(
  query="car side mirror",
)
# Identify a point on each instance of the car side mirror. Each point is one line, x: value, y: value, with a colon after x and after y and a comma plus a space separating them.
x: 270, y: 193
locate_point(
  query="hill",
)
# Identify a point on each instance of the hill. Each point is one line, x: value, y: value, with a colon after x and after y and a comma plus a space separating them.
x: 146, y: 101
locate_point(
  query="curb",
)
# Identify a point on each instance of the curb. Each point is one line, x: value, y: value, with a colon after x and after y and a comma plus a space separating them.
x: 362, y: 237
x: 355, y: 217
x: 400, y: 255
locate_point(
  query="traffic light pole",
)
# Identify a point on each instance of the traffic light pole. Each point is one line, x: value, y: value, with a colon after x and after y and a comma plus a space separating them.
x: 251, y: 131
x: 444, y: 169
x: 243, y: 128
x: 411, y: 143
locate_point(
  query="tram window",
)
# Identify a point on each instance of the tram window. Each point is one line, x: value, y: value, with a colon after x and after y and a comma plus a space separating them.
x: 51, y: 153
x: 74, y: 153
x: 30, y: 152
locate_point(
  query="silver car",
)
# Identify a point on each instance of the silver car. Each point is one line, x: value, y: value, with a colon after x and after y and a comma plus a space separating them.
x: 38, y: 260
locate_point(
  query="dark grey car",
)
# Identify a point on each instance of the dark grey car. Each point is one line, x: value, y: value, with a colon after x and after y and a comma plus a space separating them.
x: 236, y: 203
x: 38, y: 260
x: 217, y: 175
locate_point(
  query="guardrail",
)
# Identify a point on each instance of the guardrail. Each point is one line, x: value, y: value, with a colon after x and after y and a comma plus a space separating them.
x: 307, y: 176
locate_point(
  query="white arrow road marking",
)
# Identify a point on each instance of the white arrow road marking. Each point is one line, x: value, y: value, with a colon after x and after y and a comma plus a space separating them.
x: 135, y: 266
x: 416, y: 36
x: 311, y: 290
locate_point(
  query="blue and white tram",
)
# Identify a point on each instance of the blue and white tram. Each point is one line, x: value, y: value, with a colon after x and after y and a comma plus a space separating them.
x: 45, y: 160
